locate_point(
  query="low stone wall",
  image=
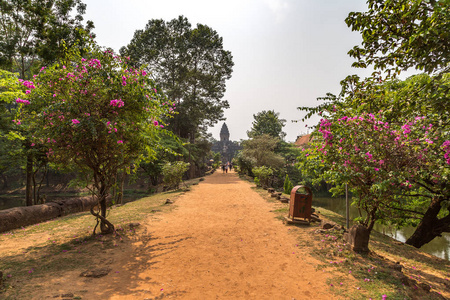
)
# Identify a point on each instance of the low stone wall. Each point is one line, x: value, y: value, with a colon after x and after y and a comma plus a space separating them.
x: 17, y: 217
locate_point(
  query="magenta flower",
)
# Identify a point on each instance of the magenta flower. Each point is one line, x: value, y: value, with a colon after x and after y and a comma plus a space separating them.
x: 25, y: 102
x: 119, y: 142
x: 75, y: 121
x: 118, y: 103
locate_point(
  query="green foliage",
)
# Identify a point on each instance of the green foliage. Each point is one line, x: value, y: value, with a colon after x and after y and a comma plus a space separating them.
x: 169, y: 148
x: 32, y: 32
x: 244, y: 163
x: 263, y: 176
x: 269, y: 123
x: 260, y: 150
x: 287, y: 185
x: 190, y: 65
x: 11, y: 154
x: 398, y: 35
x: 217, y: 160
x: 173, y: 173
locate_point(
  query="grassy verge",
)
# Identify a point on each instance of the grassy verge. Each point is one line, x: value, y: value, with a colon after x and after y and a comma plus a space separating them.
x: 392, y: 270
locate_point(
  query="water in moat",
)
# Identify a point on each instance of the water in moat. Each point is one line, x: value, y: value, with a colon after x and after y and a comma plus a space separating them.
x: 439, y: 247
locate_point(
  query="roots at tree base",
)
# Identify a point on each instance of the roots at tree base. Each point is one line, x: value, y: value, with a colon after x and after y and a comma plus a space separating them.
x: 106, y: 227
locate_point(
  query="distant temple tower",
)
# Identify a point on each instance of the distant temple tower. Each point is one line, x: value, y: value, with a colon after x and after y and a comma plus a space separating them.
x: 224, y: 133
x: 225, y: 147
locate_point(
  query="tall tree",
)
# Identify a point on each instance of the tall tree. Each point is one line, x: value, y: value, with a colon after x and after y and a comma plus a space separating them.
x: 261, y: 149
x: 191, y: 66
x: 267, y: 122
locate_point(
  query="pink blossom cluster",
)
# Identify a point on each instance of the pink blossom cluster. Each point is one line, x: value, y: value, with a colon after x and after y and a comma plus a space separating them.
x: 95, y: 63
x: 325, y: 129
x: 379, y: 145
x: 28, y: 84
x: 25, y: 102
x: 117, y: 102
x: 446, y: 148
x: 111, y: 127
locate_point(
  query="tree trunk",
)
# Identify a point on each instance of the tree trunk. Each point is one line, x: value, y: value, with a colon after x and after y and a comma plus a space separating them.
x: 16, y: 217
x: 5, y: 181
x: 121, y: 183
x: 29, y: 184
x: 105, y: 226
x: 430, y: 226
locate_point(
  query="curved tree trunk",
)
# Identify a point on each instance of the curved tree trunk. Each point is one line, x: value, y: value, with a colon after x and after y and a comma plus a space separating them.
x: 430, y: 226
x: 105, y: 226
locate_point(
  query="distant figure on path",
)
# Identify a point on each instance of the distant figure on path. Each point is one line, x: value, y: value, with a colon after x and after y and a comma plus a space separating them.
x: 223, y: 168
x: 226, y: 168
x: 230, y: 166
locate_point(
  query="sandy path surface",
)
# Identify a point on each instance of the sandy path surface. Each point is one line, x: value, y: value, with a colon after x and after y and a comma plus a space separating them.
x: 220, y: 242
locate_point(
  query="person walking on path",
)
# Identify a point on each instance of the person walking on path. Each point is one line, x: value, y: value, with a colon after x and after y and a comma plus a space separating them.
x: 223, y: 168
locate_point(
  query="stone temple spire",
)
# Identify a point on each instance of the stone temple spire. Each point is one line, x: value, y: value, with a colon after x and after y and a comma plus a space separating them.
x: 224, y: 133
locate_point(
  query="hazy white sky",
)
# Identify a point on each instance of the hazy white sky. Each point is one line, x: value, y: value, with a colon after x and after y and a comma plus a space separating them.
x: 286, y: 52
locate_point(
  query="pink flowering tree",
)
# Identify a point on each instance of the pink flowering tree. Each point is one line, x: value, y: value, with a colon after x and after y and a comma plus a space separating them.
x: 397, y: 168
x: 388, y: 165
x: 97, y: 114
x: 389, y: 139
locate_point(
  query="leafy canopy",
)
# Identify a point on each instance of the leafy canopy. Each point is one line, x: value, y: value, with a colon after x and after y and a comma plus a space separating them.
x: 33, y: 32
x: 402, y: 34
x: 267, y: 122
x: 191, y: 66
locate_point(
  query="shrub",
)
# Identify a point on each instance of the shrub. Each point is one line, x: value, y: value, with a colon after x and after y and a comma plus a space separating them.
x: 173, y: 173
x: 287, y: 185
x: 262, y: 175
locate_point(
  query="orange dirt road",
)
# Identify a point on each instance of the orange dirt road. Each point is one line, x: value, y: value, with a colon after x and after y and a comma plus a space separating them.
x: 220, y: 242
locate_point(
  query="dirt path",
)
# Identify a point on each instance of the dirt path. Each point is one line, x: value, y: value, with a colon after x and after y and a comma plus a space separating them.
x: 221, y: 242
